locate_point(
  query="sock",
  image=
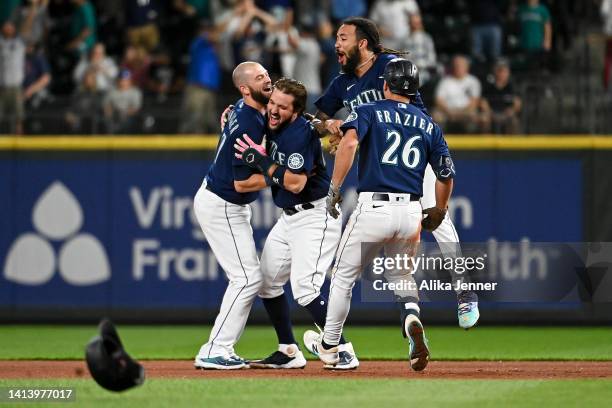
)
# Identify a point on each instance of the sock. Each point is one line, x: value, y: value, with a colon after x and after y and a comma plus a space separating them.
x: 318, y: 311
x: 278, y: 311
x: 406, y: 309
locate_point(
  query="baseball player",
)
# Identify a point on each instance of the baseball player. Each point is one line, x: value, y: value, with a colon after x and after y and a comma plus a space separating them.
x: 221, y: 207
x: 300, y: 247
x: 396, y: 141
x: 363, y: 60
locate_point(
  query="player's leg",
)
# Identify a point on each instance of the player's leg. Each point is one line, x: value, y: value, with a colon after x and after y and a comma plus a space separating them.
x: 369, y: 225
x: 275, y: 267
x: 448, y: 241
x: 314, y: 242
x: 402, y: 276
x: 228, y: 231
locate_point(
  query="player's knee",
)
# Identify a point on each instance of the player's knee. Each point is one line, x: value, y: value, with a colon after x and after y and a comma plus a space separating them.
x: 268, y: 292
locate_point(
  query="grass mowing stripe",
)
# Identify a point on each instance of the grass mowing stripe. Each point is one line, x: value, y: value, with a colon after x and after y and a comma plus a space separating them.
x: 273, y: 393
x: 373, y: 343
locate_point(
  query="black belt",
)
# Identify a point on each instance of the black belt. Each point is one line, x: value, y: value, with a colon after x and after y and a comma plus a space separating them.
x: 386, y: 197
x: 293, y: 210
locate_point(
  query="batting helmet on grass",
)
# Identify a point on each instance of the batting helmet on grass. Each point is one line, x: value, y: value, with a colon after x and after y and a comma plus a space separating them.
x: 109, y: 364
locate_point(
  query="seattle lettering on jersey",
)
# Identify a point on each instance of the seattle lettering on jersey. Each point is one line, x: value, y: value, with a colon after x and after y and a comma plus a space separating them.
x: 404, y: 119
x: 367, y: 96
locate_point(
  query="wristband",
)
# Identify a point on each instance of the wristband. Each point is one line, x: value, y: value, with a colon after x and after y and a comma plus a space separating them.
x: 278, y: 176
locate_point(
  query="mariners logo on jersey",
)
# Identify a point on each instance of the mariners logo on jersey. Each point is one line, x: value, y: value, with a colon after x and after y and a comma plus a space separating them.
x: 397, y: 140
x: 350, y: 91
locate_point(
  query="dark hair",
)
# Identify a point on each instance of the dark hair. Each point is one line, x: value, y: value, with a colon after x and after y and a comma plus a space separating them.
x: 296, y: 89
x: 366, y: 29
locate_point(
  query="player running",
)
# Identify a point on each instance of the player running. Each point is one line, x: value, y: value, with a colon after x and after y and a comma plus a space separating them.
x: 363, y: 60
x: 300, y: 247
x: 396, y: 141
x: 225, y: 218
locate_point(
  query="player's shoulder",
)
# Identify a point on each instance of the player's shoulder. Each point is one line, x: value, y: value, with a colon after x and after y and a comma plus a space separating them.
x: 246, y: 112
x: 302, y: 129
x: 383, y: 59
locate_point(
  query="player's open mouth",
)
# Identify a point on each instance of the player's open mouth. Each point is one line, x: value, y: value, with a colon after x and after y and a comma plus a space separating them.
x: 273, y: 120
x: 267, y: 88
x: 341, y: 57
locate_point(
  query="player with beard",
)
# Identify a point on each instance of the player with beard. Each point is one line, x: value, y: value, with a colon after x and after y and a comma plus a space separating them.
x: 221, y: 207
x: 363, y: 61
x: 301, y: 246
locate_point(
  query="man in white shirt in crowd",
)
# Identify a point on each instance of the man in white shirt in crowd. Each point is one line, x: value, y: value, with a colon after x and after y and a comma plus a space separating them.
x: 457, y: 99
x: 391, y: 16
x: 422, y: 50
x: 12, y: 69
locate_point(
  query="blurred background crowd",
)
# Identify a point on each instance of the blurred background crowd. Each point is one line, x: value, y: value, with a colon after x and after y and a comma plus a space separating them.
x: 164, y: 66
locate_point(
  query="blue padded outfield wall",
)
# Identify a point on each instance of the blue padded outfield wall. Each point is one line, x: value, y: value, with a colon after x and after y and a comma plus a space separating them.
x: 102, y: 232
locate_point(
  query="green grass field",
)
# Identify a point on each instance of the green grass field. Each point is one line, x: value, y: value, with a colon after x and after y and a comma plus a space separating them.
x: 447, y: 343
x: 371, y: 343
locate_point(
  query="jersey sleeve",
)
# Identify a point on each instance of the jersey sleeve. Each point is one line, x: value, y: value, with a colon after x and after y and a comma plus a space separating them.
x: 301, y: 158
x: 439, y: 156
x: 418, y: 102
x: 331, y: 101
x: 251, y: 126
x: 359, y: 120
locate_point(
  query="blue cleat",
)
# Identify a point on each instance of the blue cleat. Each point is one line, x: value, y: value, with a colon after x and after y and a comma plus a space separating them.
x: 219, y: 363
x: 467, y: 309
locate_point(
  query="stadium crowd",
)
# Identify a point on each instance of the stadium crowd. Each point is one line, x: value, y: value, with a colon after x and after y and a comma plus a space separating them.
x: 164, y: 66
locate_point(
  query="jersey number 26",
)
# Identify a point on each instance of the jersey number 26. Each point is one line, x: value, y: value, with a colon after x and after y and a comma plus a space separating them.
x: 410, y: 155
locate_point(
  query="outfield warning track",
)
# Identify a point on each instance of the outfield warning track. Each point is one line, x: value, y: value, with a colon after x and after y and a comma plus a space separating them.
x: 368, y: 369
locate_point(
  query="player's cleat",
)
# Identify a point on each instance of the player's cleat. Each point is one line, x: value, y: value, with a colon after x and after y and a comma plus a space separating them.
x: 347, y: 358
x: 312, y: 342
x: 311, y: 338
x: 218, y: 363
x: 238, y: 358
x: 467, y: 309
x: 419, y: 352
x: 285, y: 357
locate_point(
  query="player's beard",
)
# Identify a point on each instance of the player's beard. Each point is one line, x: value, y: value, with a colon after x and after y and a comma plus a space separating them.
x: 352, y: 61
x: 259, y: 97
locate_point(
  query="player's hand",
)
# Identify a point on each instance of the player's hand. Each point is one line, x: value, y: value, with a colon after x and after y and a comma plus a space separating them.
x: 242, y: 145
x: 225, y: 116
x: 333, y: 127
x: 333, y: 198
x: 333, y: 141
x: 433, y: 218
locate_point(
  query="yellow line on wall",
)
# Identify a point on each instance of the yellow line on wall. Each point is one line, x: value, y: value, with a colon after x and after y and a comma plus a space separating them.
x: 209, y: 142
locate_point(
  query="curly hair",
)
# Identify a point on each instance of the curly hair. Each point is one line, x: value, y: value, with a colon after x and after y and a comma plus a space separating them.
x: 366, y: 29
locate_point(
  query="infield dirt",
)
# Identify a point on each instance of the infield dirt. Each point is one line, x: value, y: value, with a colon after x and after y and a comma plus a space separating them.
x: 368, y: 369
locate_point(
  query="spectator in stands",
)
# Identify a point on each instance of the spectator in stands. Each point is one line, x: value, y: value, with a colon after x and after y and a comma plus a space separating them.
x: 32, y: 20
x: 457, y: 98
x: 141, y: 21
x: 330, y: 66
x: 101, y: 65
x: 486, y: 18
x: 86, y: 106
x: 137, y: 61
x: 7, y: 8
x: 500, y: 103
x: 343, y: 9
x: 392, y: 18
x: 82, y: 28
x: 37, y: 77
x: 606, y: 13
x: 421, y: 47
x: 536, y: 28
x: 12, y: 60
x: 122, y: 105
x: 198, y: 113
x: 308, y: 62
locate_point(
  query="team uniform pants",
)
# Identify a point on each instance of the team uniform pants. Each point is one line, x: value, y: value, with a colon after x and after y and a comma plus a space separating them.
x: 446, y: 234
x: 394, y: 225
x: 300, y: 248
x: 227, y: 228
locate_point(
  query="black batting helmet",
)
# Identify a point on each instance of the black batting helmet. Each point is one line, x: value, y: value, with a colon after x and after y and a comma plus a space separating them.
x: 109, y: 364
x: 402, y: 77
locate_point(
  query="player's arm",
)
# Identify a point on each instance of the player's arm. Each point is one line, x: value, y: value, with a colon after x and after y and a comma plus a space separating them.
x: 444, y: 189
x: 345, y: 156
x: 255, y: 182
x: 255, y: 157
